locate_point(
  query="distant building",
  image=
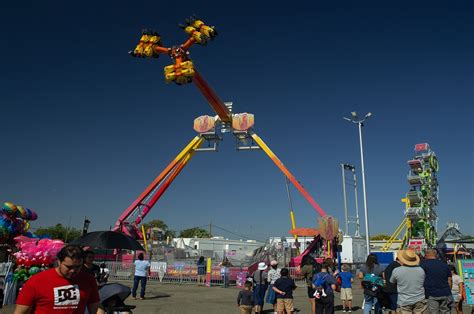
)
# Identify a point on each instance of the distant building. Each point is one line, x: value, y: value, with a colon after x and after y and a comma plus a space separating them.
x: 218, y: 247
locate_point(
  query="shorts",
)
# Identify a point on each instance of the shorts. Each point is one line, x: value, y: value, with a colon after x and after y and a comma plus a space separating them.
x: 285, y: 305
x: 346, y: 294
x: 245, y: 309
x: 392, y: 297
x: 311, y: 292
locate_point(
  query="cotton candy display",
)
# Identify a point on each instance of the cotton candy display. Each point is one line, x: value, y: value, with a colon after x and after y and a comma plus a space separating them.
x: 36, y: 253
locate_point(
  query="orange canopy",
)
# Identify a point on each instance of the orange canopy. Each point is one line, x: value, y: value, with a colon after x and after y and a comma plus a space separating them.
x: 304, y: 232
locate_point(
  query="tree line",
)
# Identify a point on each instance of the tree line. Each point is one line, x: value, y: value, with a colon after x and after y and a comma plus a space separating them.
x: 68, y: 234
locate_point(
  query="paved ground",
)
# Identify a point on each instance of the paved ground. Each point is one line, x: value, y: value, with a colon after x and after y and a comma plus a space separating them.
x: 185, y: 299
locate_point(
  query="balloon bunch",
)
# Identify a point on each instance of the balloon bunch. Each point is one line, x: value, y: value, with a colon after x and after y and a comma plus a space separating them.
x: 42, y: 253
x: 14, y: 221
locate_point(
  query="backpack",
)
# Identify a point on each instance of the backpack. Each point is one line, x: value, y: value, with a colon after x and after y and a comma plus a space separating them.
x: 320, y: 284
x: 372, y: 284
x: 320, y: 281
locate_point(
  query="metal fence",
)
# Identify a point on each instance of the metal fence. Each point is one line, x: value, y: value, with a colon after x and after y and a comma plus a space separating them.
x: 180, y: 273
x: 186, y: 273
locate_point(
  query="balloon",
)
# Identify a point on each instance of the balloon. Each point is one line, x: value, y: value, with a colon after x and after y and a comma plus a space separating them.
x: 34, y: 270
x: 9, y: 208
x: 21, y: 212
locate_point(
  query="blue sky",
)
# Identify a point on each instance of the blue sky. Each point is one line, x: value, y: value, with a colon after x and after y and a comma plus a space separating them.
x: 86, y: 127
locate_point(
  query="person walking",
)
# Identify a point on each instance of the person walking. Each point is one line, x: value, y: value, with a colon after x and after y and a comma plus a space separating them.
x: 409, y: 278
x: 372, y: 269
x: 63, y: 289
x: 260, y: 279
x: 283, y: 288
x: 245, y: 299
x: 457, y: 290
x: 390, y: 289
x: 201, y: 271
x: 346, y: 288
x: 142, y: 270
x: 273, y: 275
x: 438, y: 282
x: 324, y: 284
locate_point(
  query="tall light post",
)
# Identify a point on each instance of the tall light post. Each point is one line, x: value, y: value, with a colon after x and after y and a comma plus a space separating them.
x: 360, y: 122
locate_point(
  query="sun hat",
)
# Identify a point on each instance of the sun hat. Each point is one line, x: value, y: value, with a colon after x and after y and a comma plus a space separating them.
x: 273, y: 263
x: 408, y: 257
x: 262, y: 266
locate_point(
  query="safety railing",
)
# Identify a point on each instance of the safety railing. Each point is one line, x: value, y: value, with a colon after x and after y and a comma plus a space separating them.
x: 180, y: 273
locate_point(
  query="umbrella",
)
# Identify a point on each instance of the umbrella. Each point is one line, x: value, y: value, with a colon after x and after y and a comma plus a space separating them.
x: 113, y: 289
x: 109, y: 240
x: 304, y: 232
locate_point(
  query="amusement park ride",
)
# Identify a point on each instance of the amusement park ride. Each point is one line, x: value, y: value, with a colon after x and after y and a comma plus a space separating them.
x: 420, y: 201
x: 209, y: 128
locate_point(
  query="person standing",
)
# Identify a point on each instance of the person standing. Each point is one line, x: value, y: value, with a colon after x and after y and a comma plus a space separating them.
x: 457, y: 290
x: 201, y: 270
x: 346, y: 288
x: 225, y: 271
x: 324, y: 284
x: 260, y: 279
x: 142, y: 270
x: 273, y: 275
x: 390, y: 289
x: 283, y: 288
x: 63, y: 289
x: 409, y: 278
x: 438, y: 283
x: 245, y: 299
x: 373, y: 269
x: 104, y: 274
x: 89, y: 266
x: 308, y: 269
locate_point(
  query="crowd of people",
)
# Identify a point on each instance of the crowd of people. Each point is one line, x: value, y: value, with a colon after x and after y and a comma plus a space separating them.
x: 409, y: 284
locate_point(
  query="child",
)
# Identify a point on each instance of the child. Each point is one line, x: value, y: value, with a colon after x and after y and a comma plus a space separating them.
x: 245, y: 299
x: 346, y: 288
x: 284, y: 287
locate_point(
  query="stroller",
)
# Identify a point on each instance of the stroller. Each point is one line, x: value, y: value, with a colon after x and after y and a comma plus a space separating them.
x: 112, y: 297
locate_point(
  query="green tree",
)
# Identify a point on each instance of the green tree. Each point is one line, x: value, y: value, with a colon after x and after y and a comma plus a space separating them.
x: 157, y: 223
x: 380, y: 237
x: 59, y: 232
x: 194, y: 232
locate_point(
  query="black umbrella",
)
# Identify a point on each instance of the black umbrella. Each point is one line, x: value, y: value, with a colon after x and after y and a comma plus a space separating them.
x: 109, y: 240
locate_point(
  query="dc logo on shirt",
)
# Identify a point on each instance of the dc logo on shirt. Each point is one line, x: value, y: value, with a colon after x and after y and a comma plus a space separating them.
x: 67, y: 295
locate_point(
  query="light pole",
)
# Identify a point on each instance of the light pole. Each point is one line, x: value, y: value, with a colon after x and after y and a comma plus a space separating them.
x: 360, y: 122
x: 85, y: 226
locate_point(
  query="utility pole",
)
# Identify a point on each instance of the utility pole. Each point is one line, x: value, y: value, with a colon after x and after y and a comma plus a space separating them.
x: 210, y: 229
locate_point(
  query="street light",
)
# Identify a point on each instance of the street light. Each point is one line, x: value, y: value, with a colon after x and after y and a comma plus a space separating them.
x: 85, y: 227
x: 360, y: 122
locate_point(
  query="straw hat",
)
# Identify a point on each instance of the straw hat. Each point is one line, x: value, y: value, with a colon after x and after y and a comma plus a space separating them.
x: 408, y: 257
x: 273, y: 263
x: 262, y: 266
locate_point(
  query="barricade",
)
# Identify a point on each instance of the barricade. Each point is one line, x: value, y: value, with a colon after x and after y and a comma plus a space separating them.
x: 185, y: 273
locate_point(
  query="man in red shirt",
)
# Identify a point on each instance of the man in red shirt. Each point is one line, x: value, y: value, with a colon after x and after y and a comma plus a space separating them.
x: 62, y: 290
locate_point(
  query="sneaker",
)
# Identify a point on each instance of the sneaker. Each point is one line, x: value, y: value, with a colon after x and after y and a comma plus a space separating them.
x: 349, y: 310
x: 343, y: 310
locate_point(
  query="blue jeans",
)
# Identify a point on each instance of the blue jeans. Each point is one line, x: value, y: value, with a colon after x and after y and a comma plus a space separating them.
x: 369, y: 302
x: 136, y: 280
